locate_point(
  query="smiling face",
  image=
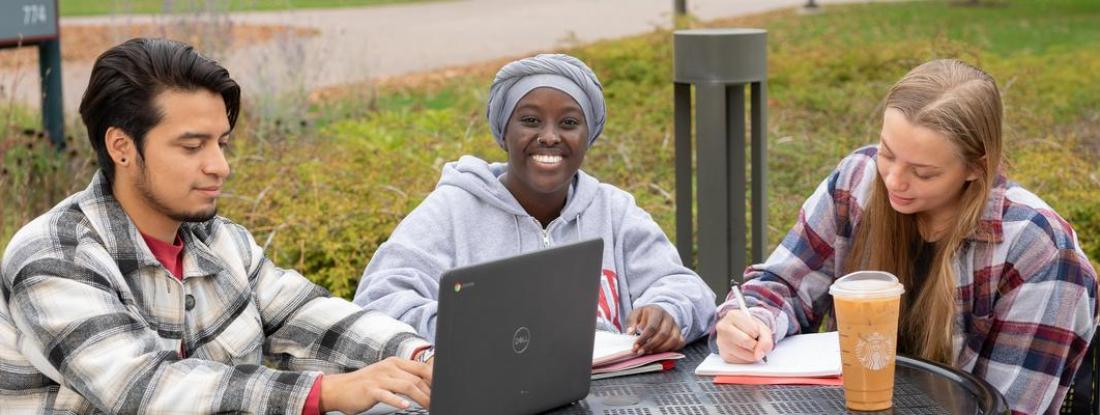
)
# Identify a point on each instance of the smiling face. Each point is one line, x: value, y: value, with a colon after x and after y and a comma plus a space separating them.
x: 546, y: 138
x: 921, y: 168
x: 184, y: 167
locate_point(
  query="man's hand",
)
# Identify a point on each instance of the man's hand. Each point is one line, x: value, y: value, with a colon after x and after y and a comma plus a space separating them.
x: 743, y: 339
x: 658, y: 330
x: 381, y: 382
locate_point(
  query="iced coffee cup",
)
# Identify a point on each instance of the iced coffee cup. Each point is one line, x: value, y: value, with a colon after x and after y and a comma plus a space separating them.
x: 866, y: 304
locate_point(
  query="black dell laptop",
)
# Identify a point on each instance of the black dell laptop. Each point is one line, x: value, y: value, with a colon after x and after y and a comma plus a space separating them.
x: 514, y: 336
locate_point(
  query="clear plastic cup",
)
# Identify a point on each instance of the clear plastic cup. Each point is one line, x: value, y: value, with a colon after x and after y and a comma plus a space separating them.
x: 866, y: 307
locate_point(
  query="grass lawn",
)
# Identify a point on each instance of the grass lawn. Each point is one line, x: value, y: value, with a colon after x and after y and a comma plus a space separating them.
x: 330, y: 197
x: 96, y: 7
x: 323, y: 197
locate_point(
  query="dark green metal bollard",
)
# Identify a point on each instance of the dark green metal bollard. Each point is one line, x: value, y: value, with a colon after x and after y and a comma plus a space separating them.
x: 721, y: 63
x: 53, y: 110
x: 35, y: 23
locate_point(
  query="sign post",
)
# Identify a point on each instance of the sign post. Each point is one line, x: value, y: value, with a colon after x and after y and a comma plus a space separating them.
x: 35, y: 23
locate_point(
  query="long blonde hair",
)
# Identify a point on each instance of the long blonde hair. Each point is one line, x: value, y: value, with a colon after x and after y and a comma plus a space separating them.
x: 962, y: 103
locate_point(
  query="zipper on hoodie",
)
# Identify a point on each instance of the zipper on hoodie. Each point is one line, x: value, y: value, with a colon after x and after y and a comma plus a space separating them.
x: 545, y: 231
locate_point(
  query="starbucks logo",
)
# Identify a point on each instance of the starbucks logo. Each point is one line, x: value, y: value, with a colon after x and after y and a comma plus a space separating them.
x: 875, y: 351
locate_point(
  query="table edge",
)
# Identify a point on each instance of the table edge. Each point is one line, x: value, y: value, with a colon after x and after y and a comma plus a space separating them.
x: 986, y: 394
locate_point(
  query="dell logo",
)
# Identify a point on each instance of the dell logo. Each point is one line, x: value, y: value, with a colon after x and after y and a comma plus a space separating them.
x: 521, y: 339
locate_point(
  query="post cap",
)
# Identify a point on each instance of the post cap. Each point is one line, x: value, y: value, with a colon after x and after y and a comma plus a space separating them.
x: 725, y: 55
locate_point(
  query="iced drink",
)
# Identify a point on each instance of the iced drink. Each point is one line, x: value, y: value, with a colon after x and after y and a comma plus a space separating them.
x: 866, y: 304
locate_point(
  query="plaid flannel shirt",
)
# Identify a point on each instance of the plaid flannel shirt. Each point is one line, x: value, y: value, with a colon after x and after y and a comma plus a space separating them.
x: 1025, y: 297
x: 91, y: 322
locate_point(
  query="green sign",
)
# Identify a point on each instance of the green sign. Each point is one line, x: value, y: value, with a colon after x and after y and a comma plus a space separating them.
x: 25, y: 22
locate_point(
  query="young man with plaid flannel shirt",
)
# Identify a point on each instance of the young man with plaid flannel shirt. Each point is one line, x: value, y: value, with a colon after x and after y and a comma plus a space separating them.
x: 133, y: 296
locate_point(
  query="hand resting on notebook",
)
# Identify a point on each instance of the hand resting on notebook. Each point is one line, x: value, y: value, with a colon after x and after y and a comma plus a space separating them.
x: 657, y: 330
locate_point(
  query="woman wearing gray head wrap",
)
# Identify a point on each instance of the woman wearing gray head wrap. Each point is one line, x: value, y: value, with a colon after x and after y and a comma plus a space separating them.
x: 545, y: 112
x: 562, y: 72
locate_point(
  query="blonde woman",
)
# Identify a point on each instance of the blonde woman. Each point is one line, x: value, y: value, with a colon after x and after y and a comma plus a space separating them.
x: 996, y: 283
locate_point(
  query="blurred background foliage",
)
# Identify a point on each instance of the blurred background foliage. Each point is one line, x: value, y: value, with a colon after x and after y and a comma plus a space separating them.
x: 323, y: 187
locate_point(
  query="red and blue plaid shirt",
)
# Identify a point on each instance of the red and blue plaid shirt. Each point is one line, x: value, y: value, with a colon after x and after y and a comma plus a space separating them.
x: 1025, y: 297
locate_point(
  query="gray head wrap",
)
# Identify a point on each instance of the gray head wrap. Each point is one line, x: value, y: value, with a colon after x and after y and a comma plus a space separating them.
x: 562, y: 72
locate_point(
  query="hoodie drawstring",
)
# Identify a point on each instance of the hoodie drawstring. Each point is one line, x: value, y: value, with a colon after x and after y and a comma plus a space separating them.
x: 519, y: 235
x: 580, y: 227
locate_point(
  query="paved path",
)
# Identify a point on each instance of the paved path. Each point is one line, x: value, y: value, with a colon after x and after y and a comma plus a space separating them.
x: 357, y: 44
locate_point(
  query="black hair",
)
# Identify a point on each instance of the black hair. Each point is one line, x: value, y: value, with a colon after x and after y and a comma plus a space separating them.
x: 126, y: 80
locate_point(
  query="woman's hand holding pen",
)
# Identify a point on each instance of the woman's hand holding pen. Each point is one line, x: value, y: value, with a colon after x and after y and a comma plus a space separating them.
x: 743, y: 338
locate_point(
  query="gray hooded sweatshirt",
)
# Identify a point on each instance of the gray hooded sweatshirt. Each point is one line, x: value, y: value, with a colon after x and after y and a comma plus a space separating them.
x: 471, y: 218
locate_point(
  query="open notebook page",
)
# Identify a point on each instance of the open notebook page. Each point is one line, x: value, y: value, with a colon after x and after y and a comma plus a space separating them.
x: 610, y: 347
x: 805, y: 355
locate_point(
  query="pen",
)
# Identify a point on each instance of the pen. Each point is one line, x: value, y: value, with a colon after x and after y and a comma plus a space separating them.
x: 745, y: 309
